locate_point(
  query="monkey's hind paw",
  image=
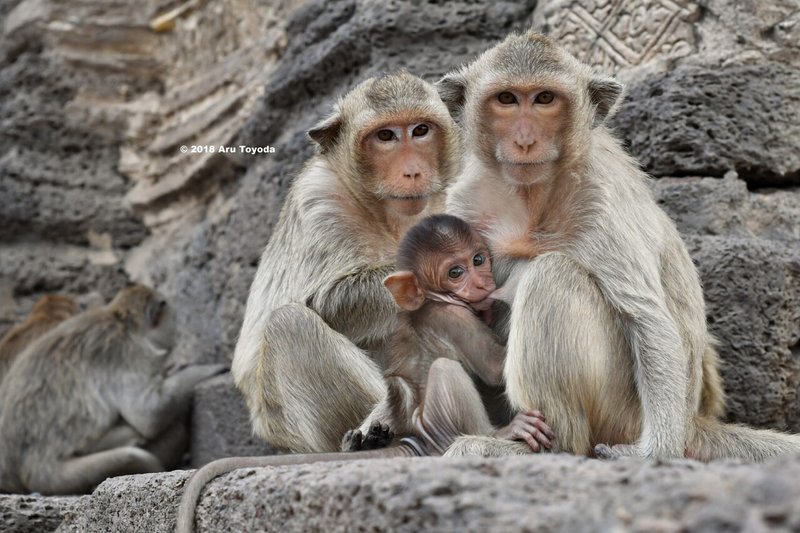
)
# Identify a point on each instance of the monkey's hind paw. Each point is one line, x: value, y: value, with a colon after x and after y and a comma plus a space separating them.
x: 378, y: 436
x: 352, y: 441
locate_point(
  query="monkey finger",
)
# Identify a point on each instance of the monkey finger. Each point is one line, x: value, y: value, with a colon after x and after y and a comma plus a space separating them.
x: 530, y: 440
x: 537, y: 434
x: 534, y: 413
x: 538, y: 423
x: 544, y: 428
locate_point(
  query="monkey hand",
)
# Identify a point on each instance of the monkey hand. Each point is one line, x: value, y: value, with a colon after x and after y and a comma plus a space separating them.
x: 529, y: 426
x: 378, y: 436
x: 604, y: 451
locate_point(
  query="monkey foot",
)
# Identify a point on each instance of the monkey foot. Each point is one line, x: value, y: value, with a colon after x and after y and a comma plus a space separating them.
x: 604, y: 451
x: 378, y: 436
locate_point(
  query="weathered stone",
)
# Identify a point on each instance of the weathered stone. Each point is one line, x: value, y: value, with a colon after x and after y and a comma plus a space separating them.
x: 704, y: 121
x: 752, y: 290
x: 33, y: 514
x: 534, y: 493
x: 712, y: 206
x: 221, y: 424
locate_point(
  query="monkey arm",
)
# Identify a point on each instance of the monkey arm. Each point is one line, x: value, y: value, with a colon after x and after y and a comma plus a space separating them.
x: 632, y: 286
x: 357, y: 305
x: 150, y: 405
x: 482, y: 354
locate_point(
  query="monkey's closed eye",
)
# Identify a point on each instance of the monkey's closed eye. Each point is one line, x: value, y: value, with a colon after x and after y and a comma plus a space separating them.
x: 420, y: 131
x: 478, y: 260
x: 385, y: 135
x: 506, y: 98
x: 544, y: 97
x: 455, y: 272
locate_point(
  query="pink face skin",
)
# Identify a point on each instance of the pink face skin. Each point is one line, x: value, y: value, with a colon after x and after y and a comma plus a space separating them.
x: 404, y: 158
x: 468, y: 276
x: 522, y: 124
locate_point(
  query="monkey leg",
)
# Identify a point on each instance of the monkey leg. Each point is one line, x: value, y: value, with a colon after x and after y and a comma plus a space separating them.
x: 316, y: 383
x: 567, y: 357
x: 710, y: 439
x: 451, y: 407
x: 82, y: 474
x: 120, y: 435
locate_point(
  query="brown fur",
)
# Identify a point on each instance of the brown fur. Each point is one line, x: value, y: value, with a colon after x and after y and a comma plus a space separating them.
x: 49, y: 311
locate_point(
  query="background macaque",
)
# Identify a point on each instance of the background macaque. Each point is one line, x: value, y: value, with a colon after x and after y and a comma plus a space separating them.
x: 308, y: 359
x: 49, y: 311
x: 607, y: 332
x: 89, y: 400
x: 444, y: 281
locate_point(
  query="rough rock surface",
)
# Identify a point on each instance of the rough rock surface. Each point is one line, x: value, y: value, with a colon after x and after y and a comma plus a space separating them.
x: 535, y: 493
x: 33, y: 514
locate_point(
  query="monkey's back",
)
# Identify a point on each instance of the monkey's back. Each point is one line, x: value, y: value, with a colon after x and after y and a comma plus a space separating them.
x: 53, y: 400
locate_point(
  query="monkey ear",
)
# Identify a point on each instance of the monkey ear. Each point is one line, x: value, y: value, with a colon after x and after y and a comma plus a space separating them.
x: 405, y: 290
x: 453, y: 91
x: 604, y: 93
x: 327, y: 132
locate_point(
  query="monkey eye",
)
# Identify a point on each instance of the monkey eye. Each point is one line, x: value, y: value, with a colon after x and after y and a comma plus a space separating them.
x: 385, y: 135
x: 455, y: 272
x: 506, y: 98
x: 420, y: 131
x: 478, y: 260
x: 544, y: 97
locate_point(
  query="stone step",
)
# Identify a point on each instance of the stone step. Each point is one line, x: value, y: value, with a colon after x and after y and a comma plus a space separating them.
x: 544, y: 492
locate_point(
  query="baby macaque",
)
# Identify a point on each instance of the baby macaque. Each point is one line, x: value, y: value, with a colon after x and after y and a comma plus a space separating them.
x: 444, y: 285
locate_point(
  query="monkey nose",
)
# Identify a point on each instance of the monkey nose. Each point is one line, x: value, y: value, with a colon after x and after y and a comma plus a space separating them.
x: 414, y: 175
x: 524, y: 144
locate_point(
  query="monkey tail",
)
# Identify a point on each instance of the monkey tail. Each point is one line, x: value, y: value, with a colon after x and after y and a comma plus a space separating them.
x: 712, y: 398
x: 409, y: 447
x: 711, y: 439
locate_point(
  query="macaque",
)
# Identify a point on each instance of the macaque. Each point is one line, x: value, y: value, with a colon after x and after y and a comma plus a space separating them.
x: 49, y: 311
x: 607, y: 331
x: 309, y: 356
x: 444, y: 285
x: 90, y: 400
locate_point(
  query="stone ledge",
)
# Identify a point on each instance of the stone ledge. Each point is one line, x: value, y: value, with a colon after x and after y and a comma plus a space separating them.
x: 559, y: 493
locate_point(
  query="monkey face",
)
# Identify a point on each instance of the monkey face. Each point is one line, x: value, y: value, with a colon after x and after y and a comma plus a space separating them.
x: 522, y: 130
x: 403, y: 160
x: 468, y: 276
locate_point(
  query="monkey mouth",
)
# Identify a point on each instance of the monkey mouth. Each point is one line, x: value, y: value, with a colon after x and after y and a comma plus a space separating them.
x: 408, y: 198
x: 524, y: 164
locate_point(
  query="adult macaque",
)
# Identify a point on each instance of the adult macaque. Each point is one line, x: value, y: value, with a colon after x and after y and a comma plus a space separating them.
x: 81, y: 402
x: 607, y: 332
x: 49, y: 311
x: 318, y: 317
x: 444, y: 281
